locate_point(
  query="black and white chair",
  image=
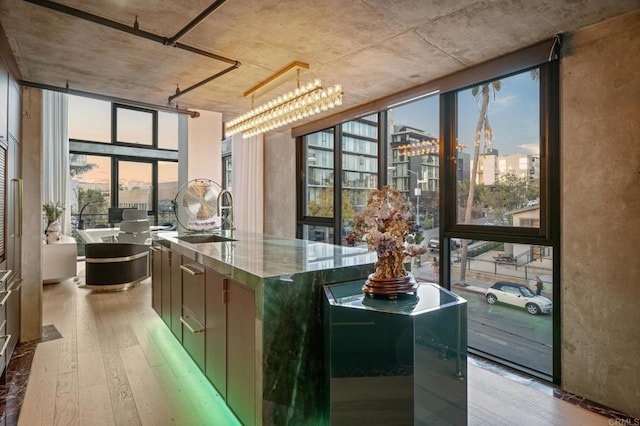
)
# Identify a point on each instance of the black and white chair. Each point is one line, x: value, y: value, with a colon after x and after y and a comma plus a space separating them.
x: 134, y: 227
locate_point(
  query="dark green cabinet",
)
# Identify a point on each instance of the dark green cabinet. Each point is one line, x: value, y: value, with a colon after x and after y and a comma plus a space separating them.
x: 176, y: 295
x: 192, y: 317
x: 230, y: 347
x: 213, y: 317
x: 241, y: 351
x: 216, y: 331
x: 165, y: 290
x: 156, y: 278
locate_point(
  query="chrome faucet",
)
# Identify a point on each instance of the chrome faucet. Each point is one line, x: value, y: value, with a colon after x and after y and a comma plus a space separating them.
x: 227, y: 222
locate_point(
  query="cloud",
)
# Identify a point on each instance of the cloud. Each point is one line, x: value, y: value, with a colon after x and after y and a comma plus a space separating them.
x: 502, y: 102
x: 531, y: 147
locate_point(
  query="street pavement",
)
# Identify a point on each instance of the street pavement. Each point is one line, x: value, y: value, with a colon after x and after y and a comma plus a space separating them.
x: 502, y: 330
x: 425, y: 272
x: 486, y: 266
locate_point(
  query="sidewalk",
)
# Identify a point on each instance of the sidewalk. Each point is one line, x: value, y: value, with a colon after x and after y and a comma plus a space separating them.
x: 425, y: 272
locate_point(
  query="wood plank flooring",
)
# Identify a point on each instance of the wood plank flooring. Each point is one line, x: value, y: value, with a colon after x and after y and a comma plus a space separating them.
x: 118, y: 364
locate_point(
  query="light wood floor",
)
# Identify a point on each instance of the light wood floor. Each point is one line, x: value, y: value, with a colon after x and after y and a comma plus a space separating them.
x: 117, y: 363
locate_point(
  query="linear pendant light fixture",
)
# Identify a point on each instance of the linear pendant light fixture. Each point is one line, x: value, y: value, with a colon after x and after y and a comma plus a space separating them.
x: 295, y: 105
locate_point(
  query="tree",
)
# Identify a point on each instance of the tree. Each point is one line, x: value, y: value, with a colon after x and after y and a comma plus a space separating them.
x: 483, y: 130
x: 429, y: 202
x: 507, y: 194
x: 80, y: 170
x: 323, y: 207
x: 91, y: 202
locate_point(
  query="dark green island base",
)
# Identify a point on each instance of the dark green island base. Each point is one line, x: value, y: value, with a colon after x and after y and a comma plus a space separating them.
x: 249, y: 309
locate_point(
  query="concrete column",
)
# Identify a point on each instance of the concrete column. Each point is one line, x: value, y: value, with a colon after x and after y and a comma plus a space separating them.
x: 31, y: 316
x: 600, y: 213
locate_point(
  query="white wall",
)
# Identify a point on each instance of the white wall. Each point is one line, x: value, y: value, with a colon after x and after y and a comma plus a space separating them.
x: 204, y: 158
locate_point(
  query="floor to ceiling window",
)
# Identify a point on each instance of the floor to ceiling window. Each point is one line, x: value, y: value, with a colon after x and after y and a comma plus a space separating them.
x: 359, y: 154
x: 90, y: 183
x: 348, y: 151
x: 413, y: 165
x: 135, y: 185
x: 500, y: 209
x: 126, y: 157
x: 479, y: 163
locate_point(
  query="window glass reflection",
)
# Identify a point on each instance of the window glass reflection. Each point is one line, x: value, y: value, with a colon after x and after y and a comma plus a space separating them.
x: 359, y: 167
x: 317, y: 233
x: 414, y: 167
x: 318, y: 150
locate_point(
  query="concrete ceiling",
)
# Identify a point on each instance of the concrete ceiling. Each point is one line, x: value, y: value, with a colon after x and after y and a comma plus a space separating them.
x: 374, y: 48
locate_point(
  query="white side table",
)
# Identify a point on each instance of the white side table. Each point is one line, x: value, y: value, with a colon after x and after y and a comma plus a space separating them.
x: 59, y: 260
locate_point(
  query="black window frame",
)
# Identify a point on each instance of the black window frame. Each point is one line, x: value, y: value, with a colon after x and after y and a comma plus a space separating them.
x: 114, y: 125
x: 544, y: 56
x: 542, y: 234
x: 125, y: 151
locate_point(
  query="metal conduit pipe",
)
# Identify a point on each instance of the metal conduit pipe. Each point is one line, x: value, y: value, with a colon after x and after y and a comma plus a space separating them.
x: 191, y: 25
x: 136, y: 31
x: 133, y: 30
x: 193, y: 114
x: 203, y: 82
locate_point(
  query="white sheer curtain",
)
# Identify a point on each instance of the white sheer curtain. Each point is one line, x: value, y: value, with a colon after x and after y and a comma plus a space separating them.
x: 248, y: 182
x: 55, y: 155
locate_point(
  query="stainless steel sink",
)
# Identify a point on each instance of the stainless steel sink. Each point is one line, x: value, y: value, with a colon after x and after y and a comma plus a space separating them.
x: 205, y: 238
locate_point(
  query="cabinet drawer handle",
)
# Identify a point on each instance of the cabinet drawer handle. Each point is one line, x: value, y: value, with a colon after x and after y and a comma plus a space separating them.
x: 155, y: 249
x: 185, y: 321
x: 6, y: 293
x: 191, y: 271
x: 7, y: 338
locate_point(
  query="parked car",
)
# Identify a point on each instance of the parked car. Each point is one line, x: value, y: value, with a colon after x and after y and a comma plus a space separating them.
x: 518, y: 295
x: 434, y: 244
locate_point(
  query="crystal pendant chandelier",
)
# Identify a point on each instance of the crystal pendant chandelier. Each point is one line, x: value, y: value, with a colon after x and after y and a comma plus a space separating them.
x: 303, y: 102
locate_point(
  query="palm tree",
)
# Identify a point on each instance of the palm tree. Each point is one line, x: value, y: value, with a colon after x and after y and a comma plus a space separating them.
x: 483, y: 128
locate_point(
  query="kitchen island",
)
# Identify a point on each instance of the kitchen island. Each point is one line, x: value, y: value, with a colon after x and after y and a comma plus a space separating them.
x: 248, y: 308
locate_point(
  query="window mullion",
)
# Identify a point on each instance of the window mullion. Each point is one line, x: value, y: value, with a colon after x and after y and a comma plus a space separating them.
x: 337, y: 188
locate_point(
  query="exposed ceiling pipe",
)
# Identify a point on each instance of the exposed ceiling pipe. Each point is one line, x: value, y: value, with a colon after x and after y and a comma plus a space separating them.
x: 203, y: 82
x: 193, y: 114
x: 136, y: 31
x: 191, y: 25
x: 133, y: 30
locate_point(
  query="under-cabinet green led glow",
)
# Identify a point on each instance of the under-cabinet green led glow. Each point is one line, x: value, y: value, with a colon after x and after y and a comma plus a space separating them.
x: 210, y: 407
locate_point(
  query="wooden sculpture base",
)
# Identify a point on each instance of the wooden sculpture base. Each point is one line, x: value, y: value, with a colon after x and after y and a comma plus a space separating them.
x: 390, y: 288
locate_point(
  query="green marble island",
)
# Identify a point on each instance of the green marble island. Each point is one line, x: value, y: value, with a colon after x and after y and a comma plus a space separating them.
x: 283, y: 280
